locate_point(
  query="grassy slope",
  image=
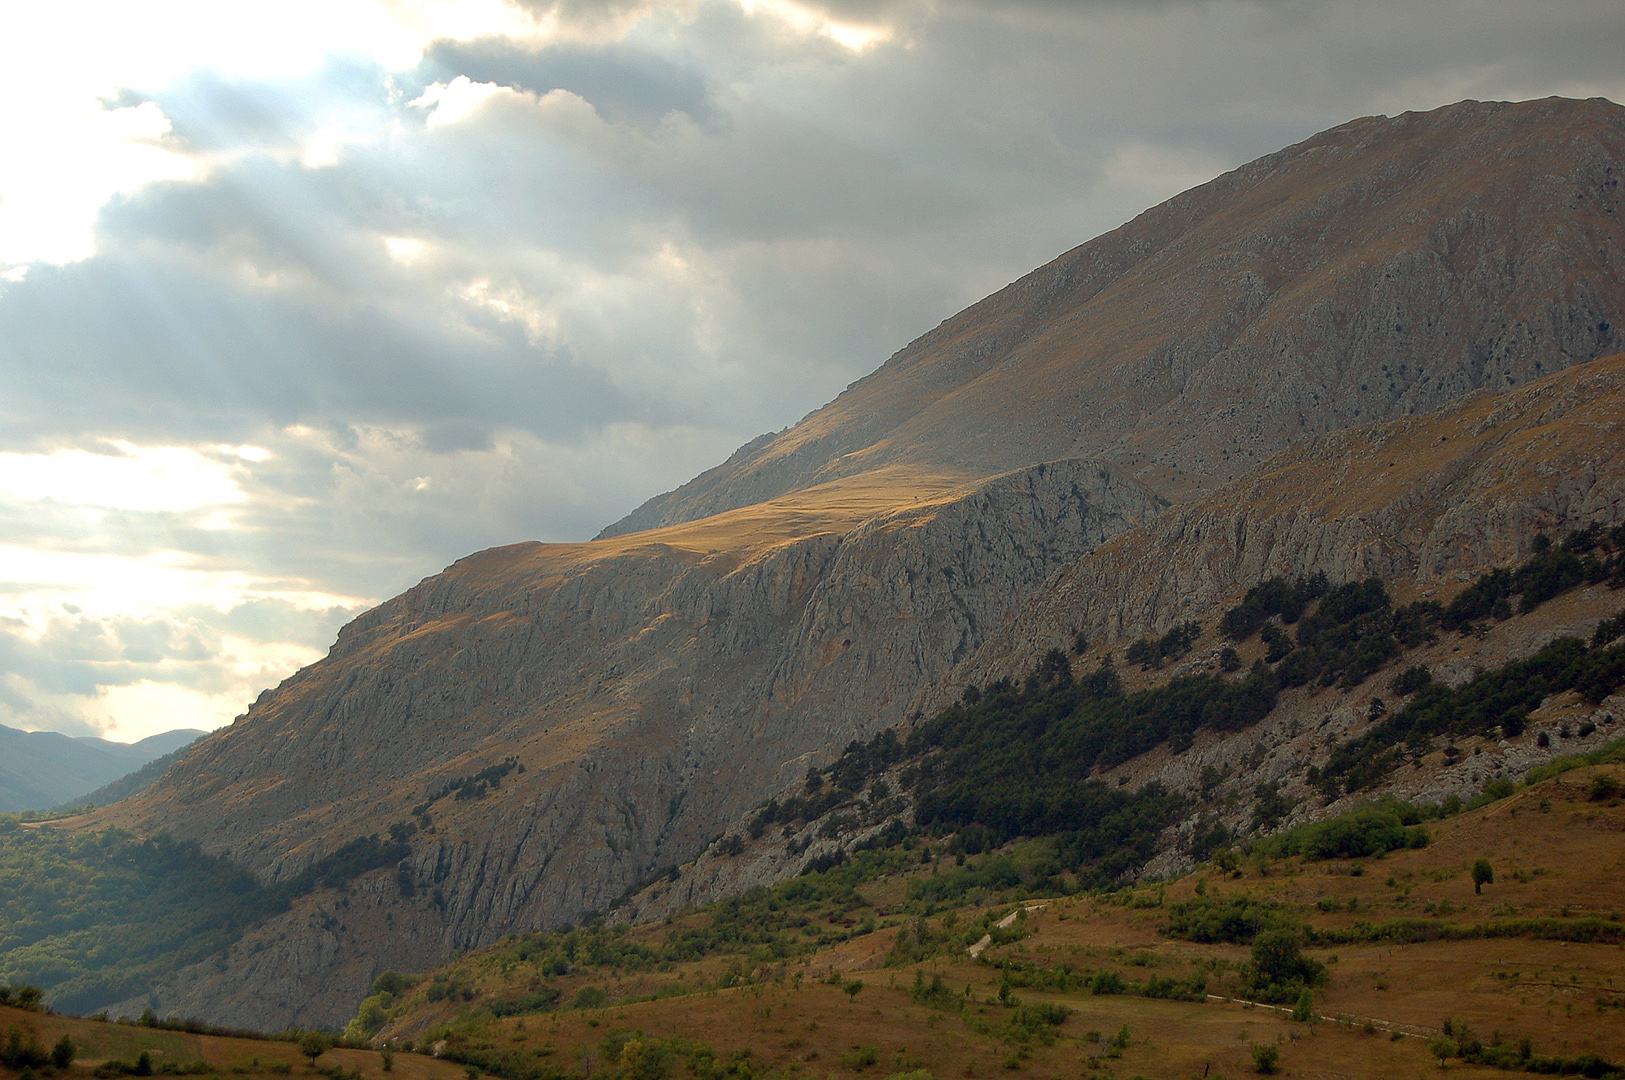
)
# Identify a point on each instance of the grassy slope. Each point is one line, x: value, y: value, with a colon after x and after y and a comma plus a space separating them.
x: 1556, y: 853
x: 99, y: 1042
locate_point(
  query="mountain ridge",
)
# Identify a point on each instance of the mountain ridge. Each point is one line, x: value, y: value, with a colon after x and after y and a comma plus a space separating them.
x: 1273, y: 326
x: 42, y: 769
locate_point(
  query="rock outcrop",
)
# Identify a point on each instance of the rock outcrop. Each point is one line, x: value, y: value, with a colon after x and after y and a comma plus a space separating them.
x: 1426, y: 500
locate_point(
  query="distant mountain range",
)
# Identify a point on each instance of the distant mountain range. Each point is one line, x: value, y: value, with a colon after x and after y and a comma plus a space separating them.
x: 43, y: 769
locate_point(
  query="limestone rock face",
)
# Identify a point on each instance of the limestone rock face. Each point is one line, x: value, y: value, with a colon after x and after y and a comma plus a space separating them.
x: 652, y: 697
x: 1426, y: 500
x: 1380, y: 269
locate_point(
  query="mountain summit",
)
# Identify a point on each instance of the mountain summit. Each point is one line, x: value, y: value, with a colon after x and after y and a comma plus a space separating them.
x: 541, y: 728
x: 1380, y: 269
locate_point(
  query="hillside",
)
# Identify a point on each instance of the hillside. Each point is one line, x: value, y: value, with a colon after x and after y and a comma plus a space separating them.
x: 1429, y: 500
x: 541, y: 729
x: 105, y: 1049
x: 650, y: 696
x: 1235, y: 772
x: 868, y: 969
x: 42, y: 769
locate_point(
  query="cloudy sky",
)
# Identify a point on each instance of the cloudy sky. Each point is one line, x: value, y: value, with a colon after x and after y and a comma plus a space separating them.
x: 300, y: 302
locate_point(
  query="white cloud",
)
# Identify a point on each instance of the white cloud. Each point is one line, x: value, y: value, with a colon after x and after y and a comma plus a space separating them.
x: 130, y: 477
x: 457, y: 101
x: 66, y: 156
x: 126, y: 675
x: 36, y: 579
x: 68, y: 149
x: 806, y: 19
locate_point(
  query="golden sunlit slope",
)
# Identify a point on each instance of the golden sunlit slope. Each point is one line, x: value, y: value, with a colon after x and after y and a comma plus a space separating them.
x: 1383, y: 268
x: 742, y: 535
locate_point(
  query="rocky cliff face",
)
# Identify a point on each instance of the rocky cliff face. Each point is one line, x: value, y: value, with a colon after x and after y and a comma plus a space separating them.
x: 1425, y: 503
x: 651, y: 697
x: 1426, y: 500
x: 1380, y: 269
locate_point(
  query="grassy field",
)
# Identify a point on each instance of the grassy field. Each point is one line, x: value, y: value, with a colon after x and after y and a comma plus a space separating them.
x: 1507, y: 963
x: 98, y: 1043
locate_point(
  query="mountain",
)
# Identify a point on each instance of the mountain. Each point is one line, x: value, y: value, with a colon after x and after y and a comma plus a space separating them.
x: 42, y: 769
x: 130, y: 783
x: 542, y: 728
x: 1380, y: 269
x: 1421, y: 504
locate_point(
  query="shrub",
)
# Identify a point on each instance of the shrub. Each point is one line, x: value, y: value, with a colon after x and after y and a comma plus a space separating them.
x: 1280, y: 970
x: 1236, y: 921
x: 860, y: 1057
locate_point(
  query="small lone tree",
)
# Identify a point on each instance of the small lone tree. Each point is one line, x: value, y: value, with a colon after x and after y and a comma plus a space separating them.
x: 1483, y: 875
x: 853, y: 988
x: 313, y: 1044
x: 1265, y: 1057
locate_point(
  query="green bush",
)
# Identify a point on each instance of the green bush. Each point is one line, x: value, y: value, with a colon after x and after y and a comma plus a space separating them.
x: 1364, y: 832
x: 1236, y: 921
x: 1280, y: 971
